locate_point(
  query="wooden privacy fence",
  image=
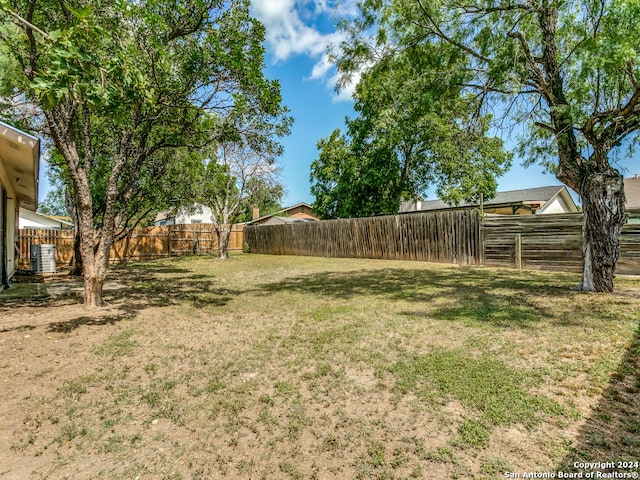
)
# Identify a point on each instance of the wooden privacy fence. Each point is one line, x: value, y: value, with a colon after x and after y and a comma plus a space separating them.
x: 549, y: 242
x: 445, y: 237
x: 142, y: 243
x: 62, y: 239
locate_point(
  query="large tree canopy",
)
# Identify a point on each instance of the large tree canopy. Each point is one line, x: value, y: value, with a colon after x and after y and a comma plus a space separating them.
x: 120, y: 84
x: 566, y: 71
x: 415, y: 128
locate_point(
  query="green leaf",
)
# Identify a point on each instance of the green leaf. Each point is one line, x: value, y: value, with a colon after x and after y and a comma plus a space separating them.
x: 81, y: 13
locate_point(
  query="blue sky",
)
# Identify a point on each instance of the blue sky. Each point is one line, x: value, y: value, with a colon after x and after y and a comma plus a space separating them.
x: 297, y: 37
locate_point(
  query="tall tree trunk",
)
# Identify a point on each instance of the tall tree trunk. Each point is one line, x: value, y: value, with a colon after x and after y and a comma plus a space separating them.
x: 224, y: 232
x: 603, y: 202
x: 600, y: 186
x: 93, y: 291
x: 93, y: 272
x: 76, y: 259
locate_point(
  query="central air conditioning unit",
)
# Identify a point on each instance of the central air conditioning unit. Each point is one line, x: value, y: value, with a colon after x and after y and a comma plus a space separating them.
x: 42, y: 258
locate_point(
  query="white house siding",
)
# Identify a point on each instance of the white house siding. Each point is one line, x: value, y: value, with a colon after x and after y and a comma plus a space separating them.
x: 19, y: 166
x: 195, y: 214
x: 554, y: 206
x: 9, y: 230
x: 558, y: 204
x: 201, y: 214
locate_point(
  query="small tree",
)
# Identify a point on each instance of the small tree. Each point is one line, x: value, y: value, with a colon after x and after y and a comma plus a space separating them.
x: 234, y: 179
x: 160, y: 185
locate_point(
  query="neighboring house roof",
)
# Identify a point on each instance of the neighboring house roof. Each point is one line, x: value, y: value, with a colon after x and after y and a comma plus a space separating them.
x: 528, y: 196
x: 632, y: 193
x: 164, y: 215
x: 29, y: 219
x: 295, y: 213
x: 300, y: 204
x: 303, y: 209
x: 62, y: 218
x: 20, y: 156
x: 276, y: 220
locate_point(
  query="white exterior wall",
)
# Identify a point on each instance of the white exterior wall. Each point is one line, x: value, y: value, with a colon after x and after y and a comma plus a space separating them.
x: 201, y: 214
x: 12, y: 235
x: 195, y: 214
x: 556, y: 205
x: 28, y: 223
x: 12, y: 229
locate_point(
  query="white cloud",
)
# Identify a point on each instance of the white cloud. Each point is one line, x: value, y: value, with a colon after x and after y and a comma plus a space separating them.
x: 346, y: 93
x: 287, y: 34
x: 321, y: 68
x: 290, y: 31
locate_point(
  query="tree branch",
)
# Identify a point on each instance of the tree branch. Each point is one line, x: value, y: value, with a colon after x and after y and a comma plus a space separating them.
x: 632, y: 76
x: 26, y: 24
x: 630, y: 106
x: 533, y: 64
x: 544, y: 126
x: 473, y: 10
x: 438, y: 31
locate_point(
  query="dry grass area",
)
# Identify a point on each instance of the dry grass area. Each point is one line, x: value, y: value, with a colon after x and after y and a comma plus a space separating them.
x: 310, y: 368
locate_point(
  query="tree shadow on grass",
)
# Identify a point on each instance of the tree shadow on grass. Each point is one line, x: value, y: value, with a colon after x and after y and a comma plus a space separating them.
x: 70, y: 325
x: 146, y: 268
x: 18, y: 328
x: 500, y: 298
x: 146, y: 288
x: 107, y: 317
x: 612, y: 433
x: 130, y: 289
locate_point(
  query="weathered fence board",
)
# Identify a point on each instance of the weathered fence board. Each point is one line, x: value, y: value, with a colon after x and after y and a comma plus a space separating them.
x: 629, y: 262
x: 446, y: 237
x: 62, y: 239
x: 549, y: 242
x: 142, y: 243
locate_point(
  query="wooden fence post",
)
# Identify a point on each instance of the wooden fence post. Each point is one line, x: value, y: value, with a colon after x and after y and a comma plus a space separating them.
x: 480, y: 245
x: 519, y: 251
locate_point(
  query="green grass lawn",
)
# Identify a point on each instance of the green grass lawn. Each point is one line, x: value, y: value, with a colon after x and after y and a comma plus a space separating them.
x: 293, y: 367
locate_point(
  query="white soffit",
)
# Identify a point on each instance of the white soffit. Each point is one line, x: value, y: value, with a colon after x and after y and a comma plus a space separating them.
x: 20, y: 155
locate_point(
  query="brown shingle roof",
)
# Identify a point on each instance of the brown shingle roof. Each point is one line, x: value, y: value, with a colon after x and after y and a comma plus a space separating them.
x: 540, y: 194
x: 284, y: 210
